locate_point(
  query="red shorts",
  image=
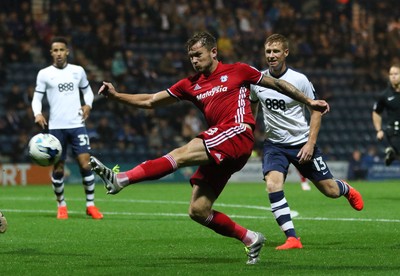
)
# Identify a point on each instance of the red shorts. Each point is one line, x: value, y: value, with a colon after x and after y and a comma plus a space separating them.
x: 230, y: 146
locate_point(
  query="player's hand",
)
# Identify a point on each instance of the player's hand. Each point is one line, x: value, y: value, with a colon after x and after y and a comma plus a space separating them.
x: 85, y: 111
x: 320, y: 105
x: 306, y: 153
x: 41, y: 121
x: 107, y: 89
x: 379, y: 135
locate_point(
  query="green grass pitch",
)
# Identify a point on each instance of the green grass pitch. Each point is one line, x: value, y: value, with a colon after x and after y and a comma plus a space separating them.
x: 146, y: 231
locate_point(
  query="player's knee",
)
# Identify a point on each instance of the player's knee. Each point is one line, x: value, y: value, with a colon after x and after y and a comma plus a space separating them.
x: 83, y: 161
x: 198, y: 214
x: 272, y: 187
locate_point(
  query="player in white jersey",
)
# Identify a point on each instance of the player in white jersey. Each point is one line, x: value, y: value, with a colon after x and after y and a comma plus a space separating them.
x: 291, y: 139
x: 62, y: 84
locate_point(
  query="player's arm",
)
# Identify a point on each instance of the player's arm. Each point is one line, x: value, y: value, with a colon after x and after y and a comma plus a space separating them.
x: 37, y: 109
x: 87, y: 93
x: 88, y: 97
x: 36, y: 103
x: 307, y: 151
x: 377, y: 121
x: 291, y: 91
x: 377, y: 110
x: 146, y: 101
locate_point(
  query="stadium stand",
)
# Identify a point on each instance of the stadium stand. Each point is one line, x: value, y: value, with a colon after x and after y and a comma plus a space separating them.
x: 345, y: 47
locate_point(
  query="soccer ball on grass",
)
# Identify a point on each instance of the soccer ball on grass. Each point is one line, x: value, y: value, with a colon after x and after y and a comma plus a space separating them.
x: 44, y: 149
x: 3, y: 223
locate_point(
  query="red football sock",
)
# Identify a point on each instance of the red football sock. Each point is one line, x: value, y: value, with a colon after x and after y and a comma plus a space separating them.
x: 223, y: 225
x: 152, y: 169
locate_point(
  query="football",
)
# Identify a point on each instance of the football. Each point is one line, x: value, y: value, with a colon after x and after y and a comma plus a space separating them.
x: 3, y: 223
x: 44, y: 149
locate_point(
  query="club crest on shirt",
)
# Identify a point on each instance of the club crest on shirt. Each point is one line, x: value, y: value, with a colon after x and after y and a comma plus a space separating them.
x: 224, y: 78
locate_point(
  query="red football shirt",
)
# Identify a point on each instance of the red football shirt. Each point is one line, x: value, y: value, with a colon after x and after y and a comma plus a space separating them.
x: 223, y: 96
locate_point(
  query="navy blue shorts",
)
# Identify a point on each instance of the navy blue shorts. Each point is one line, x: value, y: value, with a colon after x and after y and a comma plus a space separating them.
x: 278, y: 158
x: 77, y: 138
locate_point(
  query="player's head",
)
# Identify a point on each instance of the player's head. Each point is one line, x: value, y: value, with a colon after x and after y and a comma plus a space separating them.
x: 202, y: 51
x: 276, y: 48
x: 394, y: 75
x: 59, y: 51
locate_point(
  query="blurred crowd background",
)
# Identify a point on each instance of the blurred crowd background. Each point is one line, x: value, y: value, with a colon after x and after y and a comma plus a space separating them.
x: 345, y: 47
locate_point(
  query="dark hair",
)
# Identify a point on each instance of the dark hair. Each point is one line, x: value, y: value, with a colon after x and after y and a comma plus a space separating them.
x: 59, y: 39
x: 205, y: 38
x: 278, y: 38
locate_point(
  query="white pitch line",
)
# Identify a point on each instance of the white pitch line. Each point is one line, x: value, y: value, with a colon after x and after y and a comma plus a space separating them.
x: 140, y: 201
x: 293, y: 213
x: 185, y: 215
x: 256, y: 207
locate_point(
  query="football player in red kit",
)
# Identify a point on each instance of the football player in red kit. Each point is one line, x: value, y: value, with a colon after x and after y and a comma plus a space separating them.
x: 221, y: 92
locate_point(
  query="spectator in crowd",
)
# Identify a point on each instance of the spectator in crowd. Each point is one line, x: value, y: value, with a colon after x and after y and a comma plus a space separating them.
x: 155, y: 144
x: 357, y: 169
x: 131, y: 62
x: 371, y: 157
x: 191, y: 125
x: 166, y: 66
x: 225, y: 44
x: 118, y: 67
x: 105, y: 131
x: 15, y: 100
x: 147, y: 75
x: 13, y: 121
x: 19, y: 153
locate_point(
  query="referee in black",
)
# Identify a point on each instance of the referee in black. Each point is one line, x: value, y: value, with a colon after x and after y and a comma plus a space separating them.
x: 389, y: 100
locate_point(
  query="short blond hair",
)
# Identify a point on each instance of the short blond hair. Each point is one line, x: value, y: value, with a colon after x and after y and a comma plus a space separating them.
x: 278, y: 38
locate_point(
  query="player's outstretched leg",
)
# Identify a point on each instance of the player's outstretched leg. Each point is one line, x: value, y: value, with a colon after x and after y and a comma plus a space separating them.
x: 3, y: 223
x: 253, y: 250
x: 354, y: 197
x: 108, y: 176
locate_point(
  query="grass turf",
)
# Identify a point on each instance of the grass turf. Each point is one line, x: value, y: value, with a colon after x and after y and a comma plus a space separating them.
x: 146, y: 231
